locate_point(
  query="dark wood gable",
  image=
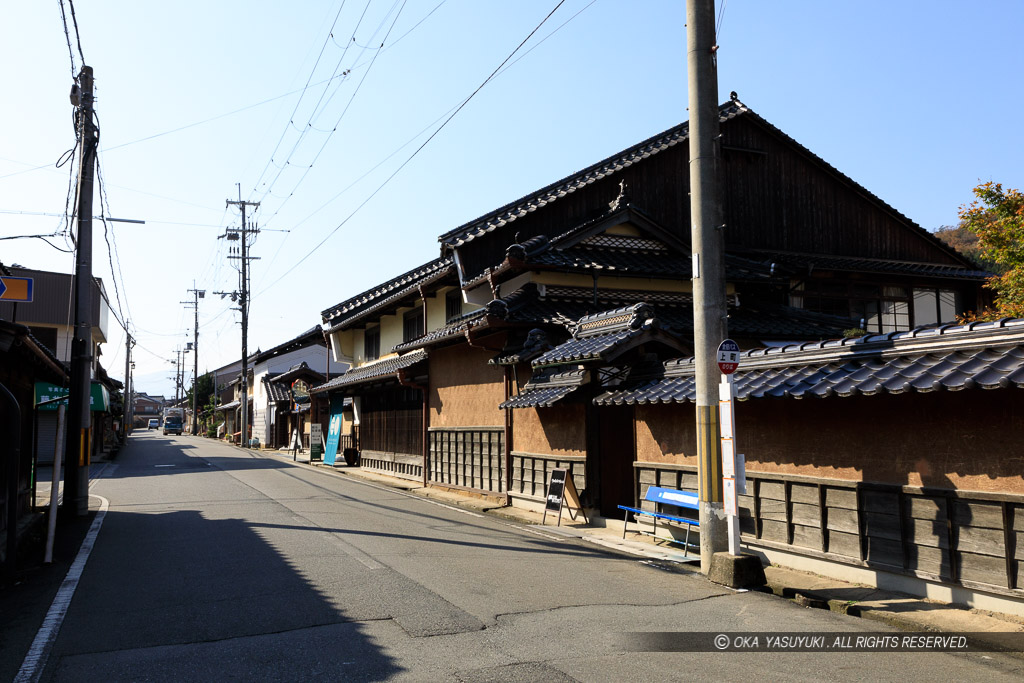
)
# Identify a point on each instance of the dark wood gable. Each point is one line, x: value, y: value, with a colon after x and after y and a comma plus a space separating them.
x: 778, y: 196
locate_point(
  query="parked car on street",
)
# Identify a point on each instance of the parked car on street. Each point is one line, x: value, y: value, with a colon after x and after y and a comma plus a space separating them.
x: 154, y: 424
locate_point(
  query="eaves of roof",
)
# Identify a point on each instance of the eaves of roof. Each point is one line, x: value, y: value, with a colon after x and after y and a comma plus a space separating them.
x: 380, y: 296
x: 314, y: 335
x: 453, y: 329
x: 866, y: 265
x: 373, y: 371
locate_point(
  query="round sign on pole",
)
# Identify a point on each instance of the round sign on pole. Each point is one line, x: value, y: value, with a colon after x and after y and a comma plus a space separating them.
x: 728, y: 356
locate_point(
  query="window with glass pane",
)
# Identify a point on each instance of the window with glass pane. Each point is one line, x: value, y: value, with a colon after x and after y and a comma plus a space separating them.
x: 926, y: 307
x: 413, y: 325
x: 453, y: 304
x: 371, y: 343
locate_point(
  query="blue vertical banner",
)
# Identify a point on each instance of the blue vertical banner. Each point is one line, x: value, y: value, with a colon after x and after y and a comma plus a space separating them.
x: 333, y: 431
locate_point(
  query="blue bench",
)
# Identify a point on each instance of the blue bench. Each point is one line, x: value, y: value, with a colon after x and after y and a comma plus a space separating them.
x: 663, y: 496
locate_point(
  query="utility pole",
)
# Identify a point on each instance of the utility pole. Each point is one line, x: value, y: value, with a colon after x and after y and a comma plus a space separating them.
x: 244, y: 306
x: 128, y: 344
x: 709, y: 301
x: 177, y: 378
x: 197, y: 294
x: 78, y: 447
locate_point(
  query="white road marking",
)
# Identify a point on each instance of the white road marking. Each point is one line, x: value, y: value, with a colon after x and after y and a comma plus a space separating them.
x: 35, y: 661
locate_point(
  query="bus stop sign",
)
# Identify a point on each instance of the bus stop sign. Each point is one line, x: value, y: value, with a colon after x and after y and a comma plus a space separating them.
x: 728, y: 356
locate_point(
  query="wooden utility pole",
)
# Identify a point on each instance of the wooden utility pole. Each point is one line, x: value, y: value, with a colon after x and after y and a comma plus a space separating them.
x: 244, y: 306
x: 79, y: 442
x: 709, y: 301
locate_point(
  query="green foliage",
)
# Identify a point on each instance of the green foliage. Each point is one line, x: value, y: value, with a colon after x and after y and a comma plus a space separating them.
x: 997, y: 218
x: 205, y: 389
x: 854, y: 332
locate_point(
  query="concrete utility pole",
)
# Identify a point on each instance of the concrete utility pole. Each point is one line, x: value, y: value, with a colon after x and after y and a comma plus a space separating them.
x: 129, y: 342
x: 197, y: 294
x: 79, y: 434
x: 244, y: 306
x: 709, y: 302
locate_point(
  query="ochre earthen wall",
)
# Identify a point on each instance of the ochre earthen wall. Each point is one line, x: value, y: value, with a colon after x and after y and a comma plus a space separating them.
x: 464, y: 390
x: 558, y: 430
x: 966, y: 440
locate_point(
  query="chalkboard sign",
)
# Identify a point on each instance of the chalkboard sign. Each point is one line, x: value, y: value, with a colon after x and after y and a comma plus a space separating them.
x: 556, y: 490
x: 561, y: 487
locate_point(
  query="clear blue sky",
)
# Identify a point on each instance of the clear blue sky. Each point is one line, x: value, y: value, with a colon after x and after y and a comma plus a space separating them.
x: 917, y: 101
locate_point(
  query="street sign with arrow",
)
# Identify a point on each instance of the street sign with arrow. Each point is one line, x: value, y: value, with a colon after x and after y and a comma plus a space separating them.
x: 15, y: 288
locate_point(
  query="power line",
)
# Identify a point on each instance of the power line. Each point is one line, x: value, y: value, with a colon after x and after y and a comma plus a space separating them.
x: 418, y: 149
x: 342, y: 116
x: 430, y: 125
x: 67, y: 35
x: 306, y: 87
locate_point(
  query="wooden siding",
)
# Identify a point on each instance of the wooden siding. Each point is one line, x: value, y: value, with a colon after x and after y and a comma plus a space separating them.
x: 468, y: 457
x: 953, y: 537
x: 531, y: 471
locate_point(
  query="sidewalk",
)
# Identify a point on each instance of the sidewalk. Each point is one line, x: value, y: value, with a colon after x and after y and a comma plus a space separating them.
x: 813, y: 591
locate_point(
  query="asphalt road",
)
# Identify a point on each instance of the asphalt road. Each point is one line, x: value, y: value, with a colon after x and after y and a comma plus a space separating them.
x: 213, y: 563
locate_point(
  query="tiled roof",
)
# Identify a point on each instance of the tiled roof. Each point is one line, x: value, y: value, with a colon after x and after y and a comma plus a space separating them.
x: 373, y: 371
x: 300, y: 369
x: 546, y: 389
x: 589, y: 248
x: 455, y: 327
x: 564, y: 305
x: 229, y: 406
x: 380, y: 296
x: 277, y: 391
x: 948, y: 358
x: 866, y: 265
x: 519, y: 208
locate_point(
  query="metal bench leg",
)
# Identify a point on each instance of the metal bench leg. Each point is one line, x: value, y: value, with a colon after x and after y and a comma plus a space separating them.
x: 686, y: 542
x: 625, y: 520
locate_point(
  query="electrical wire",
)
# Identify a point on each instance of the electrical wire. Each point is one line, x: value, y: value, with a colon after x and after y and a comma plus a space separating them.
x: 418, y: 149
x: 430, y: 125
x: 306, y: 87
x: 67, y: 35
x: 342, y: 116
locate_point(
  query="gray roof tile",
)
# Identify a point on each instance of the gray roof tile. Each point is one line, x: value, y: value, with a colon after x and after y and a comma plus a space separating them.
x: 950, y: 358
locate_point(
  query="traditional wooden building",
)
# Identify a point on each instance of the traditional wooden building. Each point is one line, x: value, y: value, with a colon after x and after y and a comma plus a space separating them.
x: 25, y: 363
x: 436, y: 351
x: 837, y: 471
